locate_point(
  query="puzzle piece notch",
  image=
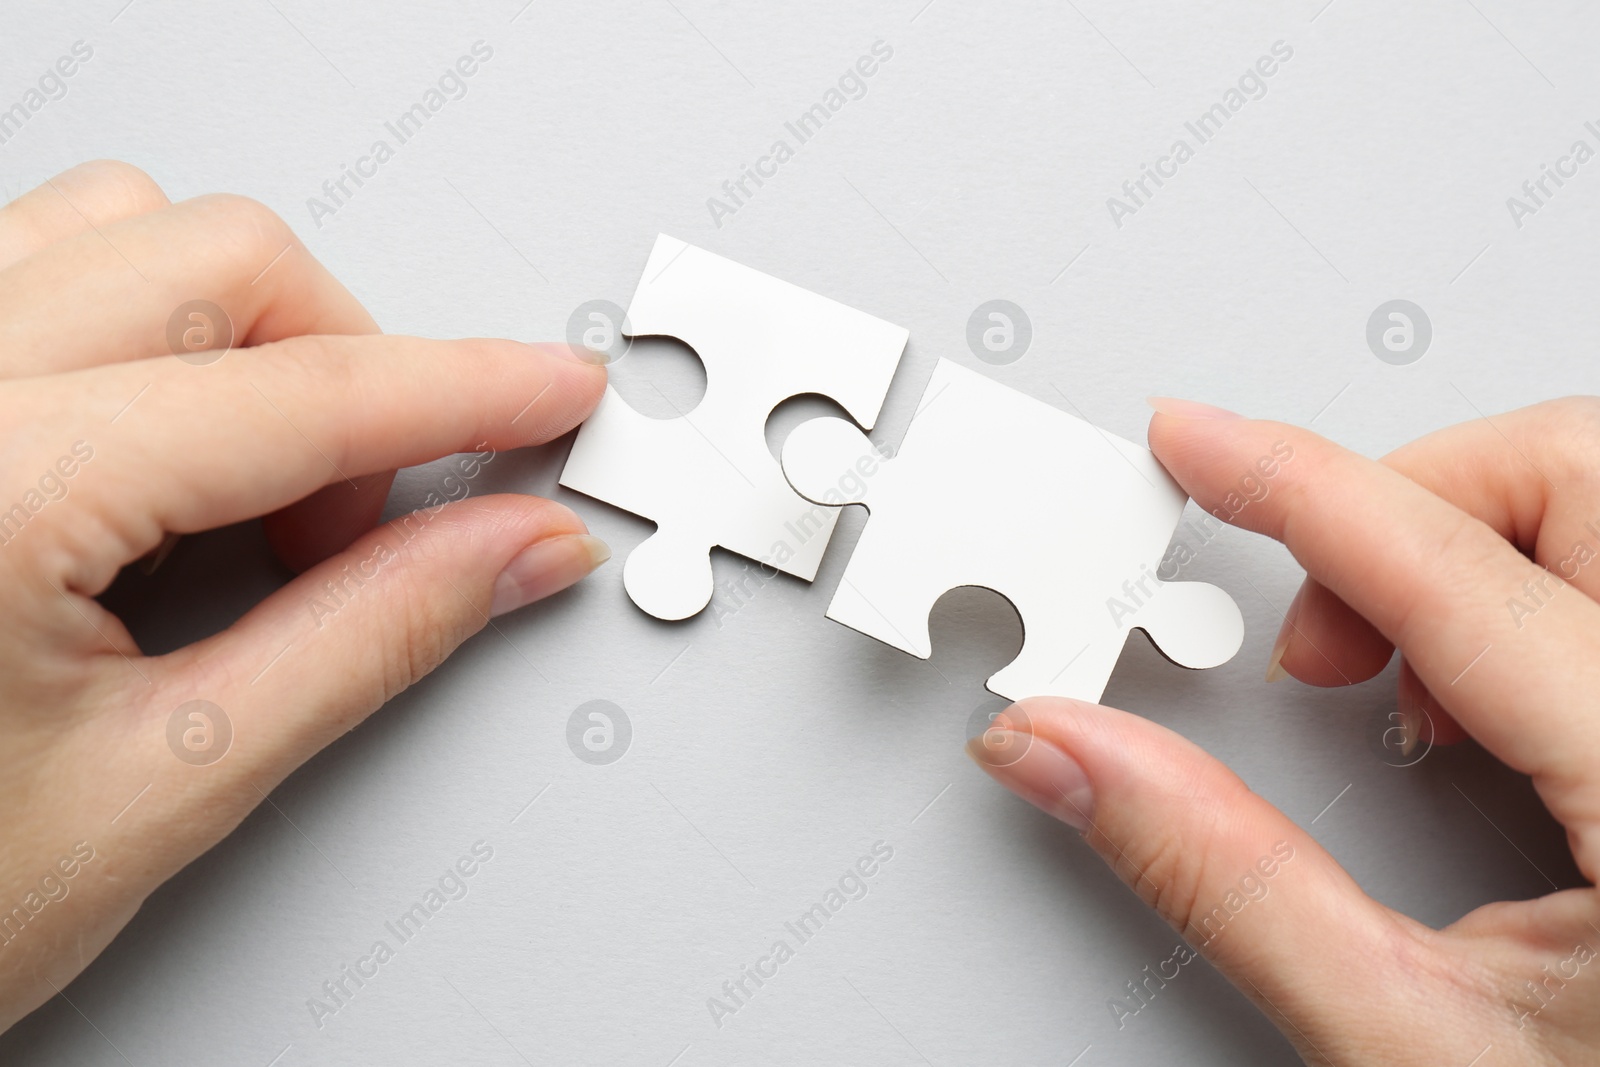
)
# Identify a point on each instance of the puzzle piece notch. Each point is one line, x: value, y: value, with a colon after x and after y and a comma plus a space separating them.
x: 809, y: 343
x: 707, y: 479
x: 1078, y: 585
x: 669, y: 574
x: 819, y: 456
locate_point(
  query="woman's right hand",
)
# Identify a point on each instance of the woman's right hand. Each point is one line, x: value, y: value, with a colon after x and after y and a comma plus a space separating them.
x: 1476, y: 552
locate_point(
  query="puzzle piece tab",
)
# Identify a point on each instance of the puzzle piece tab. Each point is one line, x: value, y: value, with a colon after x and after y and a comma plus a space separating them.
x: 707, y: 478
x: 993, y: 488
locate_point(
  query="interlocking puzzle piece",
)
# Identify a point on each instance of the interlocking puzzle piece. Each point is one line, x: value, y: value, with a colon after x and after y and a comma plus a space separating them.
x: 993, y: 488
x: 708, y: 478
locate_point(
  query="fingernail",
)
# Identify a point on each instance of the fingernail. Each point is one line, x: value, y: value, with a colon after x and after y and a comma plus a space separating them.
x: 1275, y: 671
x: 1189, y: 409
x: 1038, y: 772
x: 574, y: 353
x: 158, y: 555
x: 544, y: 568
x: 1413, y: 717
x: 1410, y: 726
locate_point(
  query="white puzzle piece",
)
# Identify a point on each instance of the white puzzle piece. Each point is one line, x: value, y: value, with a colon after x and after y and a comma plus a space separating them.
x: 993, y: 488
x: 708, y: 478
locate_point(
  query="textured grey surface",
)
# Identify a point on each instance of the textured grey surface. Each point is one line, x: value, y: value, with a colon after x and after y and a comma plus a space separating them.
x: 772, y: 748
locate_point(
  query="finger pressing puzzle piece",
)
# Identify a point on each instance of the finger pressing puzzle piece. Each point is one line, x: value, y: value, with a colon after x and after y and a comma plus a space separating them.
x: 995, y: 489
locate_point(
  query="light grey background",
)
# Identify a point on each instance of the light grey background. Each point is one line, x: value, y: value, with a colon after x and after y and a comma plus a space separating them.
x: 772, y: 750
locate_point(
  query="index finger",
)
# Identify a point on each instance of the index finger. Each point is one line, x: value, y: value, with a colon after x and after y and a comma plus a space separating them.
x: 1528, y: 473
x: 200, y: 447
x: 1432, y: 579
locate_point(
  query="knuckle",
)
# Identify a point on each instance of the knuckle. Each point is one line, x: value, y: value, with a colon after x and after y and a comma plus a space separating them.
x: 425, y: 633
x: 312, y: 362
x: 246, y: 230
x: 315, y: 372
x: 1171, y: 880
x: 1570, y: 428
x: 1296, y: 494
x: 1279, y: 476
x: 1180, y: 865
x: 115, y: 189
x: 313, y: 367
x: 1462, y: 553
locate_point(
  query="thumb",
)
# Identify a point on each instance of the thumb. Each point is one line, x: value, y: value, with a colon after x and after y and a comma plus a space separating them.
x: 319, y: 655
x: 1244, y: 885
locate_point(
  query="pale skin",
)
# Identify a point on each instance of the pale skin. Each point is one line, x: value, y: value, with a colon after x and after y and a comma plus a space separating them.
x: 313, y: 399
x: 1418, y: 552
